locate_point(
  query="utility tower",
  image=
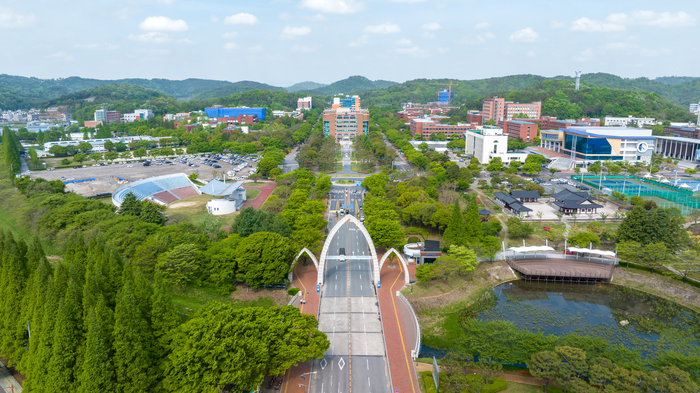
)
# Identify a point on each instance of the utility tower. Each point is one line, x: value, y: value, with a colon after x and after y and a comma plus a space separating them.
x: 578, y: 79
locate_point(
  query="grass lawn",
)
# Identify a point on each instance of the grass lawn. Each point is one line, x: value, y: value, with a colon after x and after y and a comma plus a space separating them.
x: 252, y: 184
x: 106, y: 199
x: 251, y: 194
x: 188, y: 210
x: 189, y: 299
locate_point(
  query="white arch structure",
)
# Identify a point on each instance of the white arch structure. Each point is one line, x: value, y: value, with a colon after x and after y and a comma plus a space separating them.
x: 309, y: 253
x: 327, y: 244
x: 405, y: 266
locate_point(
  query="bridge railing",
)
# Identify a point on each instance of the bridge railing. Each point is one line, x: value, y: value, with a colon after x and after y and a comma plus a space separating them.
x: 562, y: 256
x: 416, y: 351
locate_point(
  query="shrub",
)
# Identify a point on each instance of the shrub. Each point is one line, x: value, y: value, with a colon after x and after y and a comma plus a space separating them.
x: 496, y: 385
x: 413, y: 239
x: 428, y: 381
x: 293, y: 291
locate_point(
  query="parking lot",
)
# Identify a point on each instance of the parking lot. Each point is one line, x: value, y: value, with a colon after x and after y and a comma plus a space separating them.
x: 106, y: 181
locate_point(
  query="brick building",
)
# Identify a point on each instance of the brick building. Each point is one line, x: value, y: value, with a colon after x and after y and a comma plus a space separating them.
x: 683, y: 132
x: 304, y: 103
x: 518, y: 129
x: 551, y: 123
x: 475, y: 117
x: 428, y: 126
x: 240, y: 119
x: 345, y: 120
x: 498, y: 109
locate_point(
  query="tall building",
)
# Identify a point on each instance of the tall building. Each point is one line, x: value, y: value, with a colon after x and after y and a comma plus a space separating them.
x: 304, y: 103
x: 426, y: 126
x: 107, y: 117
x: 138, y: 115
x: 488, y: 142
x: 695, y: 108
x: 518, y: 129
x: 345, y: 120
x: 498, y: 109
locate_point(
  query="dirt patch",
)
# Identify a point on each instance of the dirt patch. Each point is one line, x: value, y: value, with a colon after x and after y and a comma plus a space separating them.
x: 184, y: 204
x: 279, y: 296
x: 658, y: 285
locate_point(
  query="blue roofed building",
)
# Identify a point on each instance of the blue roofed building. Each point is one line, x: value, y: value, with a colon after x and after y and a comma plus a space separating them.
x: 227, y: 197
x: 235, y: 112
x: 589, y: 144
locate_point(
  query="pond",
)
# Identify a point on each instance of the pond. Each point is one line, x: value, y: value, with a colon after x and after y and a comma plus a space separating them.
x: 643, y: 323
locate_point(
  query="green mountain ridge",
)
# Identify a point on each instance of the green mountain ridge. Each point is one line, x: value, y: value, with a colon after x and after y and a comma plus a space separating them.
x: 352, y: 85
x: 234, y: 88
x: 305, y: 86
x: 105, y: 94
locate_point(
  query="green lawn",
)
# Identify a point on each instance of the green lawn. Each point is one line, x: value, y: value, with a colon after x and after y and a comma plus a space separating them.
x: 251, y: 194
x: 189, y: 299
x: 189, y: 210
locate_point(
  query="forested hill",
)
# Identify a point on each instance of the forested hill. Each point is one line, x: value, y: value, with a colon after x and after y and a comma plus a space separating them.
x: 304, y: 86
x: 425, y: 90
x: 559, y: 99
x: 681, y: 91
x: 352, y: 85
x: 234, y: 88
x: 105, y: 94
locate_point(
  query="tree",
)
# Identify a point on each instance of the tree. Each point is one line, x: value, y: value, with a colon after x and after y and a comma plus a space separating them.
x: 531, y: 168
x: 495, y: 165
x: 584, y: 238
x: 544, y: 365
x: 459, y: 260
x: 80, y: 158
x: 425, y: 273
x: 573, y: 366
x: 96, y: 156
x: 473, y: 233
x: 454, y: 233
x: 489, y: 247
x: 133, y: 344
x: 84, y: 147
x: 97, y: 371
x: 181, y: 264
x: 264, y: 258
x: 489, y: 369
x: 130, y: 206
x: 111, y: 156
x: 140, y: 152
x: 601, y: 372
x: 109, y: 145
x: 225, y: 345
x: 150, y: 212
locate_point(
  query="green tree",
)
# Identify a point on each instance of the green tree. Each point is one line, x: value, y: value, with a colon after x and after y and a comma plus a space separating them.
x: 150, y: 213
x: 180, y: 265
x: 133, y: 344
x: 544, y: 365
x: 109, y: 145
x: 473, y: 232
x: 495, y: 165
x: 573, y: 366
x: 385, y: 232
x: 454, y: 233
x: 130, y: 206
x: 111, y: 156
x: 164, y: 319
x: 459, y: 260
x: 80, y: 158
x: 264, y: 258
x: 633, y: 226
x: 140, y: 152
x: 425, y: 273
x: 84, y: 147
x: 584, y: 238
x: 97, y: 372
x: 95, y: 156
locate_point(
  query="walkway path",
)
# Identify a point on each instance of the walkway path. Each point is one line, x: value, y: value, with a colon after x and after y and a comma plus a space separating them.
x: 8, y: 384
x: 265, y: 192
x: 397, y: 329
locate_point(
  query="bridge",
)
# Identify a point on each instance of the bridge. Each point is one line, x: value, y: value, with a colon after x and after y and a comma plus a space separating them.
x: 349, y: 309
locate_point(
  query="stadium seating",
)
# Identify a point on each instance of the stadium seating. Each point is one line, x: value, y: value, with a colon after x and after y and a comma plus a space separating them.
x: 166, y: 197
x: 166, y: 189
x: 184, y: 192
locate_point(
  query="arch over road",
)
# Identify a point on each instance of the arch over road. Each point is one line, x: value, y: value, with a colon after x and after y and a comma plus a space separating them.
x: 309, y: 253
x: 405, y: 266
x: 329, y: 239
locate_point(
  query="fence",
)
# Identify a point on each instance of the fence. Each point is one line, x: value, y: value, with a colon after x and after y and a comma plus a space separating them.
x: 681, y: 197
x: 560, y: 276
x: 78, y: 181
x: 563, y: 256
x: 416, y: 351
x: 295, y: 298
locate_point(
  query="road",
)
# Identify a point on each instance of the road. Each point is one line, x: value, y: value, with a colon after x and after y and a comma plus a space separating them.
x: 349, y: 312
x: 400, y: 164
x: 290, y: 162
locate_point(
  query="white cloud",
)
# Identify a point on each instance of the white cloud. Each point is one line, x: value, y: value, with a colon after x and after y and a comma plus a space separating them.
x: 302, y: 49
x: 556, y: 25
x: 230, y: 35
x: 432, y: 26
x: 619, y: 46
x: 403, y: 42
x: 384, y: 28
x: 316, y: 18
x: 415, y: 51
x: 489, y: 35
x: 362, y: 41
x: 531, y: 53
x: 477, y: 39
x: 184, y: 41
x: 152, y: 37
x: 285, y: 16
x: 651, y: 18
x: 162, y: 23
x: 443, y: 50
x: 97, y: 46
x: 333, y: 6
x: 587, y: 25
x: 229, y: 46
x: 255, y: 49
x: 293, y: 32
x: 407, y: 1
x: 241, y: 19
x: 526, y: 35
x: 61, y: 56
x: 11, y: 20
x: 586, y: 55
x: 214, y: 19
x: 482, y: 25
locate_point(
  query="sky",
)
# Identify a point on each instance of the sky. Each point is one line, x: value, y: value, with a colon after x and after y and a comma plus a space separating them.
x: 282, y: 42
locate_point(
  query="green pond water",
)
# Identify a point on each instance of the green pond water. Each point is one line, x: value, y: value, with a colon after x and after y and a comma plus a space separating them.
x: 650, y: 325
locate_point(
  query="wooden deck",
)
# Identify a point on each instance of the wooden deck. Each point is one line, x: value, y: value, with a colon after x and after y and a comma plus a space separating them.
x: 561, y: 270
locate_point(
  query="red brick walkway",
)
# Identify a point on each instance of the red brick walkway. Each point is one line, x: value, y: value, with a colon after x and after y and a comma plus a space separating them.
x: 304, y: 278
x: 265, y: 191
x: 403, y: 373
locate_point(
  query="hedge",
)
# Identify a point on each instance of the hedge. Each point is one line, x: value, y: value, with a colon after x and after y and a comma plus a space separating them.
x: 429, y: 382
x: 496, y: 385
x: 293, y: 291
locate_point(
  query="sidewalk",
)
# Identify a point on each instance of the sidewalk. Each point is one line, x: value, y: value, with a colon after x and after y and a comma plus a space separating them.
x: 305, y: 279
x: 397, y: 330
x: 8, y: 383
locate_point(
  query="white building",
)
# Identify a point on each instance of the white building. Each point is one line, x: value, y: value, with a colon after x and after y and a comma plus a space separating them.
x: 626, y: 121
x: 304, y: 103
x: 231, y: 197
x: 586, y: 145
x: 487, y: 142
x: 98, y: 145
x: 139, y: 114
x: 695, y: 108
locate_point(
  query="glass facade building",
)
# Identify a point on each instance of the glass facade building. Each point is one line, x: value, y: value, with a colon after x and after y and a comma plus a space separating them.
x: 590, y: 148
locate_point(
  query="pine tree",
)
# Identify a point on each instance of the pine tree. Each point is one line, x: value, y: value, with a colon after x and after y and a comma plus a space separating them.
x: 163, y: 317
x: 133, y: 343
x: 12, y: 282
x: 634, y: 226
x: 455, y: 229
x: 41, y: 344
x: 97, y: 372
x: 63, y: 366
x: 130, y: 206
x: 473, y: 232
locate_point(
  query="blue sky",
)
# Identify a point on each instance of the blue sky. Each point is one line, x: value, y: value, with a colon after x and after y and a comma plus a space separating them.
x: 282, y: 42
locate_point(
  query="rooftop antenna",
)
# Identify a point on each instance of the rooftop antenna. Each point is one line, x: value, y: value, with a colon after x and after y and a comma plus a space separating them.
x: 578, y: 79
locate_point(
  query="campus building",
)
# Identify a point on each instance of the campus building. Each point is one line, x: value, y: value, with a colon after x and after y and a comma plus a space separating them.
x: 138, y: 115
x: 518, y: 129
x: 218, y: 111
x: 552, y: 123
x: 611, y: 121
x: 107, y: 117
x: 498, y: 109
x: 678, y: 147
x: 98, y: 144
x: 589, y: 144
x: 304, y: 103
x: 427, y: 126
x: 683, y: 131
x: 345, y: 120
x: 487, y: 142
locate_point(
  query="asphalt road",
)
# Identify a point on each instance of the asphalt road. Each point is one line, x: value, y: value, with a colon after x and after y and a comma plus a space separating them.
x: 290, y: 162
x: 349, y: 314
x: 399, y: 164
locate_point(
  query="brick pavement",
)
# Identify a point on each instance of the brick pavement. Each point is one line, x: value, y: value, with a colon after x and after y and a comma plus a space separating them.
x: 265, y: 192
x: 304, y: 278
x: 403, y: 373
